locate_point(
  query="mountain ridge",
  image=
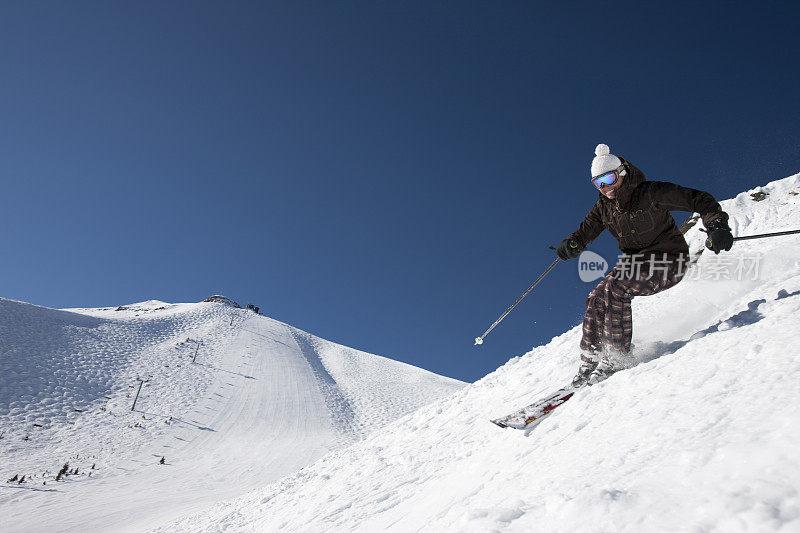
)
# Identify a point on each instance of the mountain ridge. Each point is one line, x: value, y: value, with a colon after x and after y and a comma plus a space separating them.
x: 219, y: 392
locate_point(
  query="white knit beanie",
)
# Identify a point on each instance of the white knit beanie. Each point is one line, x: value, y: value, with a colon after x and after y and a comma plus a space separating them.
x: 604, y: 160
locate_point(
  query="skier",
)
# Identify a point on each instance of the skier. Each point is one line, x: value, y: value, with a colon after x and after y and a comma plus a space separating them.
x: 654, y: 253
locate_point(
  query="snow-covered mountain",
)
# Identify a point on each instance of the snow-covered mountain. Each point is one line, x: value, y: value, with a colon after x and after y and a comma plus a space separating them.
x: 701, y: 435
x: 230, y: 399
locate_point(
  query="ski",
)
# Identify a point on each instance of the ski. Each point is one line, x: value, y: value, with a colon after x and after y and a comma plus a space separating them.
x: 534, y: 413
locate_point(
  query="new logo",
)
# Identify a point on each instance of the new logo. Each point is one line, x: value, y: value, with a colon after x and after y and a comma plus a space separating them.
x: 591, y: 266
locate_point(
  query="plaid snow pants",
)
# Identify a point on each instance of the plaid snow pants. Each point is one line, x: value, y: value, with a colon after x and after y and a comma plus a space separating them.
x: 608, y: 324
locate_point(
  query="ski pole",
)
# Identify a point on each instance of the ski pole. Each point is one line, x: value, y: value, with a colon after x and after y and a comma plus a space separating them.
x: 479, y: 340
x: 759, y: 236
x: 776, y: 234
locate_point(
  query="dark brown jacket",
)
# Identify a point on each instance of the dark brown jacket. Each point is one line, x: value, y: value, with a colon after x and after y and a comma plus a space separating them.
x: 639, y: 217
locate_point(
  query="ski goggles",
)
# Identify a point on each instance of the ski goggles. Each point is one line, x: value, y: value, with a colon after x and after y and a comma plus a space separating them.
x: 608, y: 178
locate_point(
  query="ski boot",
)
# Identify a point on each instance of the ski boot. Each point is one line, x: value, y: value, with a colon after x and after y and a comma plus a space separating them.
x: 602, y: 371
x: 584, y: 372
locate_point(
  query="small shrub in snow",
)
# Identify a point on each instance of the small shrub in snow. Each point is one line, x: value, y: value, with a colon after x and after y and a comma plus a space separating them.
x: 62, y: 472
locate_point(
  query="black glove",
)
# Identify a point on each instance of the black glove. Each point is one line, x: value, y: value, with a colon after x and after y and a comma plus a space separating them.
x: 719, y: 237
x: 568, y: 249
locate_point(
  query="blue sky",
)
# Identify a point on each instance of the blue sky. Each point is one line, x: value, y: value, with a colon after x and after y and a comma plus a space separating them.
x: 387, y: 175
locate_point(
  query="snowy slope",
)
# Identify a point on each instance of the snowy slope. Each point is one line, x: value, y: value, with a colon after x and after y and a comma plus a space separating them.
x: 262, y: 400
x: 701, y: 435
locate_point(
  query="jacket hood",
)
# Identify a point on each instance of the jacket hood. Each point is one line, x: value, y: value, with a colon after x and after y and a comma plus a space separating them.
x: 631, y: 180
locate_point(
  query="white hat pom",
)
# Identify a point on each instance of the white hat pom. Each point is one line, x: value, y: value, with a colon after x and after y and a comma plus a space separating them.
x: 604, y: 160
x: 602, y: 149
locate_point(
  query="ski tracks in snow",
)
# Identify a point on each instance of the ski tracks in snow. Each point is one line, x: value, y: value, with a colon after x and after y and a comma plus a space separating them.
x: 339, y: 406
